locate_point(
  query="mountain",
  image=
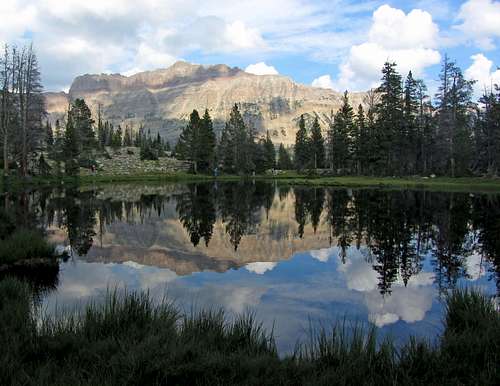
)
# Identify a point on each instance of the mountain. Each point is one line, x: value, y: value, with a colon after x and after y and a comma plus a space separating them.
x: 162, y: 100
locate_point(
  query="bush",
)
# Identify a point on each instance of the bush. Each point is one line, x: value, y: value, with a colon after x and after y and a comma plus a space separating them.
x: 148, y: 153
x: 24, y: 244
x: 7, y: 224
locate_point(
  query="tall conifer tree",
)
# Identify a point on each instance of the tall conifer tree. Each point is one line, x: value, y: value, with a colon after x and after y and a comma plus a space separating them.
x: 207, y: 143
x: 269, y: 152
x: 317, y: 146
x: 389, y: 123
x: 302, y: 154
x: 340, y: 136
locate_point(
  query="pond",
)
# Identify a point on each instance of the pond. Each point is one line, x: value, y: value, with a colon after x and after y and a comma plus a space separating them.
x: 298, y: 257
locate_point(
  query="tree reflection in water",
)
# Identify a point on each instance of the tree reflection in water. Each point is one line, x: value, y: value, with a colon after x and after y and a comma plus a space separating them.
x: 400, y: 229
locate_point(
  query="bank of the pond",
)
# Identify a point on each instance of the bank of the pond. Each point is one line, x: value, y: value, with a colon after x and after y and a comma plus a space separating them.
x: 469, y: 184
x: 464, y: 184
x: 130, y: 339
x: 20, y: 244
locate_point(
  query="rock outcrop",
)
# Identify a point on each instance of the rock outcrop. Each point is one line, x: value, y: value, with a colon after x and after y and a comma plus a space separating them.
x: 161, y: 100
x: 127, y: 161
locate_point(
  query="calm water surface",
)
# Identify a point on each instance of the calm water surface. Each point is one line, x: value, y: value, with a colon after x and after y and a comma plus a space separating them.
x: 294, y: 255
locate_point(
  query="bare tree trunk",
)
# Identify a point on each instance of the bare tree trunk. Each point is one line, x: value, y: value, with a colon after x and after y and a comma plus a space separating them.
x: 22, y: 78
x: 4, y: 117
x: 5, y: 157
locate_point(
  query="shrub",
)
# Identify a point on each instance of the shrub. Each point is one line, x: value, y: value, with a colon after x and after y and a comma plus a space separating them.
x: 24, y: 244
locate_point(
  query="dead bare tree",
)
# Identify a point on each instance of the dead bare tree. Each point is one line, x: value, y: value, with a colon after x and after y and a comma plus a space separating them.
x: 22, y: 106
x: 5, y: 107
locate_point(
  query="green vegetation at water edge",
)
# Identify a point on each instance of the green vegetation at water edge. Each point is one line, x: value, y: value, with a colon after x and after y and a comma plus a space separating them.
x: 438, y: 183
x: 18, y: 244
x: 130, y: 339
x: 472, y: 184
x: 23, y: 245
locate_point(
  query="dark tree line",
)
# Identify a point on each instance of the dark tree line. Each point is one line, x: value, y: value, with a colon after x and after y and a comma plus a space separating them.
x: 237, y: 151
x: 400, y: 229
x: 399, y: 131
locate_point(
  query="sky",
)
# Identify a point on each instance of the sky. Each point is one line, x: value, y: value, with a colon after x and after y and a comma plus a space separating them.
x: 339, y: 44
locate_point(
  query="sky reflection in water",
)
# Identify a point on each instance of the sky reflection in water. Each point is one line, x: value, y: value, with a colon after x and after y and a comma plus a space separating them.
x: 301, y: 284
x: 296, y: 256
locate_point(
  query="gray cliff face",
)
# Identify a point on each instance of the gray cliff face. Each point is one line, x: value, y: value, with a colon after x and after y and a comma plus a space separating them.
x: 162, y: 100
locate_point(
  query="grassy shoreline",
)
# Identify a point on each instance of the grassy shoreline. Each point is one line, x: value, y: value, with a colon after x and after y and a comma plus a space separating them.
x: 130, y: 339
x: 469, y: 184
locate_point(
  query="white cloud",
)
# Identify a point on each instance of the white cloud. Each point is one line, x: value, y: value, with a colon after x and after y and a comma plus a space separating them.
x: 481, y: 70
x: 16, y: 18
x: 359, y: 274
x: 324, y: 81
x: 324, y: 254
x: 409, y: 303
x: 149, y: 57
x: 392, y: 29
x: 480, y: 22
x: 124, y: 36
x: 261, y: 68
x: 406, y: 303
x: 241, y: 36
x: 410, y: 40
x: 475, y: 266
x: 260, y: 267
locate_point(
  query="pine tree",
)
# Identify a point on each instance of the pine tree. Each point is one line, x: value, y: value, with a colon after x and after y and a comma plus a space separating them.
x: 284, y: 161
x: 71, y: 149
x: 224, y: 150
x: 127, y: 137
x: 49, y: 137
x: 372, y: 156
x: 340, y: 137
x: 408, y: 143
x: 487, y: 134
x: 101, y: 133
x: 116, y: 141
x: 188, y: 144
x: 207, y: 143
x: 237, y: 144
x: 425, y: 136
x: 57, y: 153
x: 389, y: 123
x: 139, y: 136
x: 82, y: 121
x: 259, y: 156
x: 269, y: 152
x: 302, y: 155
x: 361, y: 142
x: 317, y: 146
x: 455, y: 134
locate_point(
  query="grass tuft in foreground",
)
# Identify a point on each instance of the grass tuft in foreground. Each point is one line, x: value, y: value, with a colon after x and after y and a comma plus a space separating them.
x: 129, y: 339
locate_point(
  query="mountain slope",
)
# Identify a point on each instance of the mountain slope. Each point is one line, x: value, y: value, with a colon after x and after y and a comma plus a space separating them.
x: 163, y: 99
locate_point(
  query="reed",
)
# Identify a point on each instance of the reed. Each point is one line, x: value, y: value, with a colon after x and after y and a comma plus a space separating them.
x: 131, y: 338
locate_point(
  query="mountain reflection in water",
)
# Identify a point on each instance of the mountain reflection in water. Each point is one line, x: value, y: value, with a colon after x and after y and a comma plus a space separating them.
x: 292, y: 254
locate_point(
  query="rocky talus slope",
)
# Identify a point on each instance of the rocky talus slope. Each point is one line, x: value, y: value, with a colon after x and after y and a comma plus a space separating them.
x: 127, y: 161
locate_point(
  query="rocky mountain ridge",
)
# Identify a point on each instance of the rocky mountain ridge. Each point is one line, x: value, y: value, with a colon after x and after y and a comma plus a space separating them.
x: 161, y: 100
